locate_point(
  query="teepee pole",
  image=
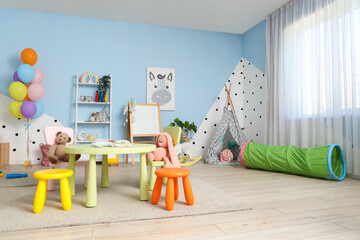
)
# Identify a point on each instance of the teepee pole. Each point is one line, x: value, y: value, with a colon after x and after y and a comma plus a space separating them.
x: 228, y: 100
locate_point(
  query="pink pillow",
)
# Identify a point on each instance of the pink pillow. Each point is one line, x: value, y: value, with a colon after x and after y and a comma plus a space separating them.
x: 226, y: 156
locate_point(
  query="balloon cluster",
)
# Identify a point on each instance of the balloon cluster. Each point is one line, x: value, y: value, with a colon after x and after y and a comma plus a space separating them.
x: 27, y: 88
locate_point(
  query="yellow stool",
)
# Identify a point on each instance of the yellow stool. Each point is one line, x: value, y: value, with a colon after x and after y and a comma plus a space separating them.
x: 44, y: 176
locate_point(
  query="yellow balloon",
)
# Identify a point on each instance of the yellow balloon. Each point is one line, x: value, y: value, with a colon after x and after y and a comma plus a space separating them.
x: 18, y: 90
x: 14, y: 109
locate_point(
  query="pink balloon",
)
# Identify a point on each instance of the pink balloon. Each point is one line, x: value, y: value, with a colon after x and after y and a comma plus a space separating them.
x: 39, y: 76
x: 35, y: 91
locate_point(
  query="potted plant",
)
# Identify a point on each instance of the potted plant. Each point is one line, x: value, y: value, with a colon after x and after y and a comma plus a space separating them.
x: 103, y: 86
x: 185, y: 126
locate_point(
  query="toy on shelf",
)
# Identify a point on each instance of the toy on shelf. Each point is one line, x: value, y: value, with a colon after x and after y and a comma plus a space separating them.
x: 89, y: 77
x: 92, y: 117
x: 81, y: 136
x: 1, y: 174
x: 16, y: 175
x: 102, y: 116
x: 86, y: 98
x: 92, y: 137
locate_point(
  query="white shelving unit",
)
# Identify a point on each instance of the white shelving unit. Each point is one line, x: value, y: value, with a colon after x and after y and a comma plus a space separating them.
x: 97, y: 107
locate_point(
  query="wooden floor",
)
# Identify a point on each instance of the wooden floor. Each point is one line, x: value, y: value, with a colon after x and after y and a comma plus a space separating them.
x: 284, y: 207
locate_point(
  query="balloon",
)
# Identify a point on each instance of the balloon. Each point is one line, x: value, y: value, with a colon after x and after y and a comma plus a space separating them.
x: 14, y: 109
x: 26, y: 73
x: 27, y: 96
x: 40, y: 110
x: 39, y: 76
x: 36, y: 91
x: 17, y: 90
x: 28, y: 109
x: 16, y: 77
x: 29, y: 56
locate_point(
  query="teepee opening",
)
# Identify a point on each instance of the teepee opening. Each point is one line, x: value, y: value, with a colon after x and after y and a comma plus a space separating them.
x: 228, y: 136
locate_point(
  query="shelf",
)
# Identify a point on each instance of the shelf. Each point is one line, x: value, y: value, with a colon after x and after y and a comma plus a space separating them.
x: 88, y: 84
x: 93, y: 122
x: 81, y: 121
x: 100, y: 103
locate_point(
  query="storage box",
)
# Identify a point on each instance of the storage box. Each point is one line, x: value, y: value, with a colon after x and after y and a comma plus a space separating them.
x: 4, y: 154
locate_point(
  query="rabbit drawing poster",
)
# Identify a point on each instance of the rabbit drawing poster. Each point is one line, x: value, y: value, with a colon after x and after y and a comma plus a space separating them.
x: 161, y: 87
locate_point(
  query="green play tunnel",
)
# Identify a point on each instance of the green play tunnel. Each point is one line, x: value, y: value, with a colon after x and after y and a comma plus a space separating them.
x: 321, y: 162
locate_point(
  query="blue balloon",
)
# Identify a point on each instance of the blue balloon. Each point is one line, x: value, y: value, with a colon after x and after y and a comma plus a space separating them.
x: 26, y: 73
x: 40, y: 109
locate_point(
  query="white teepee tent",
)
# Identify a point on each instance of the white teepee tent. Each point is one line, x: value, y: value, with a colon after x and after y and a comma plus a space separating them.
x: 228, y: 136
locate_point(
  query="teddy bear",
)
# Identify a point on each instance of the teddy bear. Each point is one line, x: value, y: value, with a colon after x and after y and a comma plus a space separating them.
x: 93, y: 117
x: 165, y: 151
x: 56, y: 152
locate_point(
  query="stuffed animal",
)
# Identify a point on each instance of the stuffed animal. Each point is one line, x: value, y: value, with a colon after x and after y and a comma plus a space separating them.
x: 226, y: 156
x: 92, y: 117
x: 44, y: 148
x: 56, y: 152
x: 165, y: 151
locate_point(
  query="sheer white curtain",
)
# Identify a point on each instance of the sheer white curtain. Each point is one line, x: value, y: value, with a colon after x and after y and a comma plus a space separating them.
x: 313, y: 76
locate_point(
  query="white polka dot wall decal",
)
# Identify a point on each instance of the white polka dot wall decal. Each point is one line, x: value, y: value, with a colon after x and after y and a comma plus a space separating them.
x: 15, y: 134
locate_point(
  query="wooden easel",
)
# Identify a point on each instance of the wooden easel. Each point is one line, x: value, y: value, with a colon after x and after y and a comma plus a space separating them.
x: 152, y: 123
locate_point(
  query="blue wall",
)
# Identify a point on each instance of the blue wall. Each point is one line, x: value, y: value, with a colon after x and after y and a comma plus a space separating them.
x: 67, y: 45
x: 254, y: 45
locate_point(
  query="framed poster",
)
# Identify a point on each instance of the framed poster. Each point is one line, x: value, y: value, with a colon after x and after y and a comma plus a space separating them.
x: 161, y: 87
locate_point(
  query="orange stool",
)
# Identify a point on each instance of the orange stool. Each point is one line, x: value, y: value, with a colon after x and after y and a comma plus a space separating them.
x: 172, y: 186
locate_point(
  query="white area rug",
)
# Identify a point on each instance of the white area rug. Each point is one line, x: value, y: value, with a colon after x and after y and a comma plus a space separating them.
x: 118, y: 203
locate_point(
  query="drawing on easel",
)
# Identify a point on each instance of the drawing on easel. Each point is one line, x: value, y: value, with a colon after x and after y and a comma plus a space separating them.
x: 161, y: 87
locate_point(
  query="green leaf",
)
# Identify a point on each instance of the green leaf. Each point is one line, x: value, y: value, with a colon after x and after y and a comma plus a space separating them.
x: 186, y: 125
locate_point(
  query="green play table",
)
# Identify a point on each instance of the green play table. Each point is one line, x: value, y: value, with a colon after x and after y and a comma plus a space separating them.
x: 91, y: 194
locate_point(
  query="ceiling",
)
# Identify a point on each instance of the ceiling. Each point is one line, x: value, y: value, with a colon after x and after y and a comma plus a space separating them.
x: 230, y: 16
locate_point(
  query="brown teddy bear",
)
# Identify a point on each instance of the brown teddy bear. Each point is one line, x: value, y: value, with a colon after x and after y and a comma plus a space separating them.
x: 56, y: 152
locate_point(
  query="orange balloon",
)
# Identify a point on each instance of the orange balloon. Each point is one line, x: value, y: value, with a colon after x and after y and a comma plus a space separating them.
x: 27, y: 97
x: 29, y: 56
